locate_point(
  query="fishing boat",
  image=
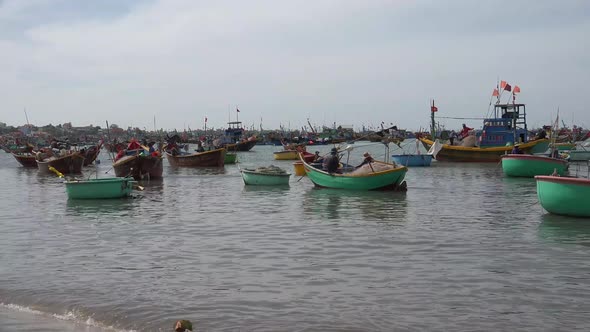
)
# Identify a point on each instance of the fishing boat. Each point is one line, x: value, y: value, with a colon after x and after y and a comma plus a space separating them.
x: 525, y: 165
x: 234, y: 140
x: 140, y: 166
x: 116, y: 187
x: 70, y: 163
x: 292, y: 155
x: 266, y: 176
x: 212, y: 158
x: 28, y: 160
x: 412, y: 159
x: 230, y: 158
x: 564, y: 195
x: 579, y: 154
x: 374, y: 176
x: 500, y: 132
x: 92, y: 153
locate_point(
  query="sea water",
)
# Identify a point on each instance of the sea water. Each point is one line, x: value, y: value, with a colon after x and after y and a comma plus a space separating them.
x: 465, y: 248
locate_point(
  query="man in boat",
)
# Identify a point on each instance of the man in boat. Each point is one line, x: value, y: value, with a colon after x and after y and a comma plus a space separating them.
x: 464, y: 132
x: 317, y: 158
x: 200, y: 147
x: 331, y: 162
x: 516, y: 150
x: 368, y: 160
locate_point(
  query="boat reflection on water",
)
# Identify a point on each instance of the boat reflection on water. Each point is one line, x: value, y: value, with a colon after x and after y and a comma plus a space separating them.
x: 94, y: 208
x: 563, y: 229
x: 193, y: 171
x: 335, y: 204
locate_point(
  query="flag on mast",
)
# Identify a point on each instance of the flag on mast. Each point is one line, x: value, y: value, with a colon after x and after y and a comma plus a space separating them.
x: 237, y: 110
x: 516, y: 89
x: 496, y: 93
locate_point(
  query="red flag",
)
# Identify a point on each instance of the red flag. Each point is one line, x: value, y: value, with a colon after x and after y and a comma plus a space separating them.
x: 434, y: 109
x: 508, y: 87
x: 503, y: 84
x: 237, y: 110
x: 495, y: 93
x: 516, y: 89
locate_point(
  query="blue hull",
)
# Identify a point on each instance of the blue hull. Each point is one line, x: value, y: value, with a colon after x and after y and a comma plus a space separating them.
x: 412, y: 159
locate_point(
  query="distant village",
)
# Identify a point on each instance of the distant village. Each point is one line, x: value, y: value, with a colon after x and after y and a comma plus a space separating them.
x: 90, y: 135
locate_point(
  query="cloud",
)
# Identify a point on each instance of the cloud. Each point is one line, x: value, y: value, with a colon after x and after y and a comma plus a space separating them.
x: 350, y: 62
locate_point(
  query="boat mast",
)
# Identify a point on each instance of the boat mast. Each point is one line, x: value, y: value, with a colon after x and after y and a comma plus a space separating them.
x: 432, y: 128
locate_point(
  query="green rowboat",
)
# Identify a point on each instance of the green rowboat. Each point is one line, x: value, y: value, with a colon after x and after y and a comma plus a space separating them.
x: 230, y: 158
x: 564, y: 195
x: 385, y: 176
x: 266, y: 176
x: 525, y: 165
x: 99, y: 188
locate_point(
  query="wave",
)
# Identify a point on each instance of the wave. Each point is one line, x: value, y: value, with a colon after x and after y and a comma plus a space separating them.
x: 73, y: 317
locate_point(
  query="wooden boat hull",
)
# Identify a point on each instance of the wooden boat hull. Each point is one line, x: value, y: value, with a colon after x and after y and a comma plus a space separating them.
x: 286, y: 155
x: 488, y: 154
x: 230, y: 158
x: 524, y: 165
x: 412, y: 159
x: 70, y: 164
x: 292, y: 155
x: 213, y: 158
x: 26, y: 160
x: 100, y: 188
x: 139, y: 167
x: 383, y: 180
x: 91, y: 154
x: 241, y: 146
x: 564, y: 195
x: 265, y: 179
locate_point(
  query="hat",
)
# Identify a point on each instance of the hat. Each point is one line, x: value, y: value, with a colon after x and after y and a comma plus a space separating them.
x: 366, y: 154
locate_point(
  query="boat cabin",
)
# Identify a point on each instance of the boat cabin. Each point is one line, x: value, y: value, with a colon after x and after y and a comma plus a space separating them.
x: 234, y: 132
x: 508, y: 125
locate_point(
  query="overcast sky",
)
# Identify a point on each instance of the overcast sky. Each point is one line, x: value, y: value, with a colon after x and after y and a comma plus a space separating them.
x: 353, y: 62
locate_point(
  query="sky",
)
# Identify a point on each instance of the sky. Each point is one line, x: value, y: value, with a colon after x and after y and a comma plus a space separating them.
x: 349, y: 62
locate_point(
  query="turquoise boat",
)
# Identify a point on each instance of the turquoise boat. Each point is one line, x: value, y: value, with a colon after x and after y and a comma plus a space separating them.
x: 526, y: 165
x: 230, y: 158
x: 412, y: 159
x: 564, y: 195
x: 266, y: 176
x: 99, y: 188
x: 383, y: 176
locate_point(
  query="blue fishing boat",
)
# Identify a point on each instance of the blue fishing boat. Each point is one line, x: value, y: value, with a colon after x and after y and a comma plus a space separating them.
x: 412, y: 159
x: 506, y: 127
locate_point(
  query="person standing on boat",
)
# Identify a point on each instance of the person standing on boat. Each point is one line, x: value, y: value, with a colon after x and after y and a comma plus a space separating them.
x: 464, y: 132
x: 331, y: 162
x: 200, y: 147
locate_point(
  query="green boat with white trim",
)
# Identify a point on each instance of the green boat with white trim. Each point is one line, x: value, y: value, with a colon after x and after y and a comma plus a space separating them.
x: 382, y: 176
x: 564, y: 195
x: 526, y: 165
x: 116, y: 187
